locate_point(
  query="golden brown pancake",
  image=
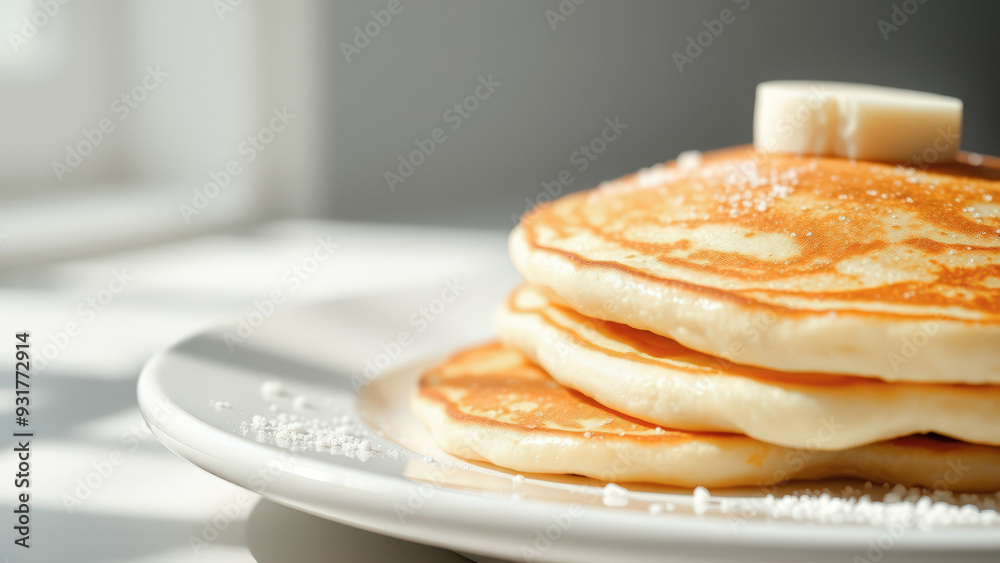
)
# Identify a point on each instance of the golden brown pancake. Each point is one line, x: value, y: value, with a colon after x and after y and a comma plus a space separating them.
x: 659, y: 380
x: 492, y: 403
x: 799, y: 264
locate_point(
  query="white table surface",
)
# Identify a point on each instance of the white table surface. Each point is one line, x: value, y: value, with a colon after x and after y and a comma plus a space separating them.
x: 84, y: 407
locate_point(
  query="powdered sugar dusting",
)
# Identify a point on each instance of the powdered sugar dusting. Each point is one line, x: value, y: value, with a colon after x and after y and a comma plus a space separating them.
x: 701, y: 499
x: 341, y: 435
x: 748, y: 189
x: 900, y: 506
x: 661, y: 174
x: 653, y: 176
x: 689, y: 161
x: 614, y: 495
x: 272, y: 389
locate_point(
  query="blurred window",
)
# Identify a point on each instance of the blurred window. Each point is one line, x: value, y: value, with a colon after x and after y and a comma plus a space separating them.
x: 125, y: 122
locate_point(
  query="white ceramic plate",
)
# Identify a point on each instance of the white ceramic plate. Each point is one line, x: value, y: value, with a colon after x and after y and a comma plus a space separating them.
x: 421, y: 494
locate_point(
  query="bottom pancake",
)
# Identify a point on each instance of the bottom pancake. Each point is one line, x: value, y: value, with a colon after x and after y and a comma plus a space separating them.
x: 491, y: 403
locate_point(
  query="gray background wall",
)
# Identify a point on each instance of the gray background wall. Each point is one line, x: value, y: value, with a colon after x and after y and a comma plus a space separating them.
x: 608, y: 59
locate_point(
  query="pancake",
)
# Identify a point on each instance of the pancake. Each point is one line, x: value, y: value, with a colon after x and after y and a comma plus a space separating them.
x: 798, y: 264
x: 492, y: 403
x: 656, y: 379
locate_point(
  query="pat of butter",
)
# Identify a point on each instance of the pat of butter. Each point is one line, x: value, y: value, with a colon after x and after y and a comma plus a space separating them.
x: 856, y: 121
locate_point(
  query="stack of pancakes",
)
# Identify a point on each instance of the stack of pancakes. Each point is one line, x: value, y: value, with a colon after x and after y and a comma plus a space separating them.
x: 743, y: 318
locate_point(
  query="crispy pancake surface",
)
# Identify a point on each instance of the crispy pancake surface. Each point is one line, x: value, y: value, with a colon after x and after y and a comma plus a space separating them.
x: 805, y: 264
x: 656, y: 379
x: 492, y: 403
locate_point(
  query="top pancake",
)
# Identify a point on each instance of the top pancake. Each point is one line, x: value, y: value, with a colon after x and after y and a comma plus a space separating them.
x: 792, y: 263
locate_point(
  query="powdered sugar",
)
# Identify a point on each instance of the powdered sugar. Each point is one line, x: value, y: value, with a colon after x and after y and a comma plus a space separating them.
x: 614, y: 495
x: 689, y: 161
x: 653, y: 176
x: 700, y: 500
x: 272, y: 389
x: 341, y: 435
x: 900, y: 506
x: 747, y: 187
